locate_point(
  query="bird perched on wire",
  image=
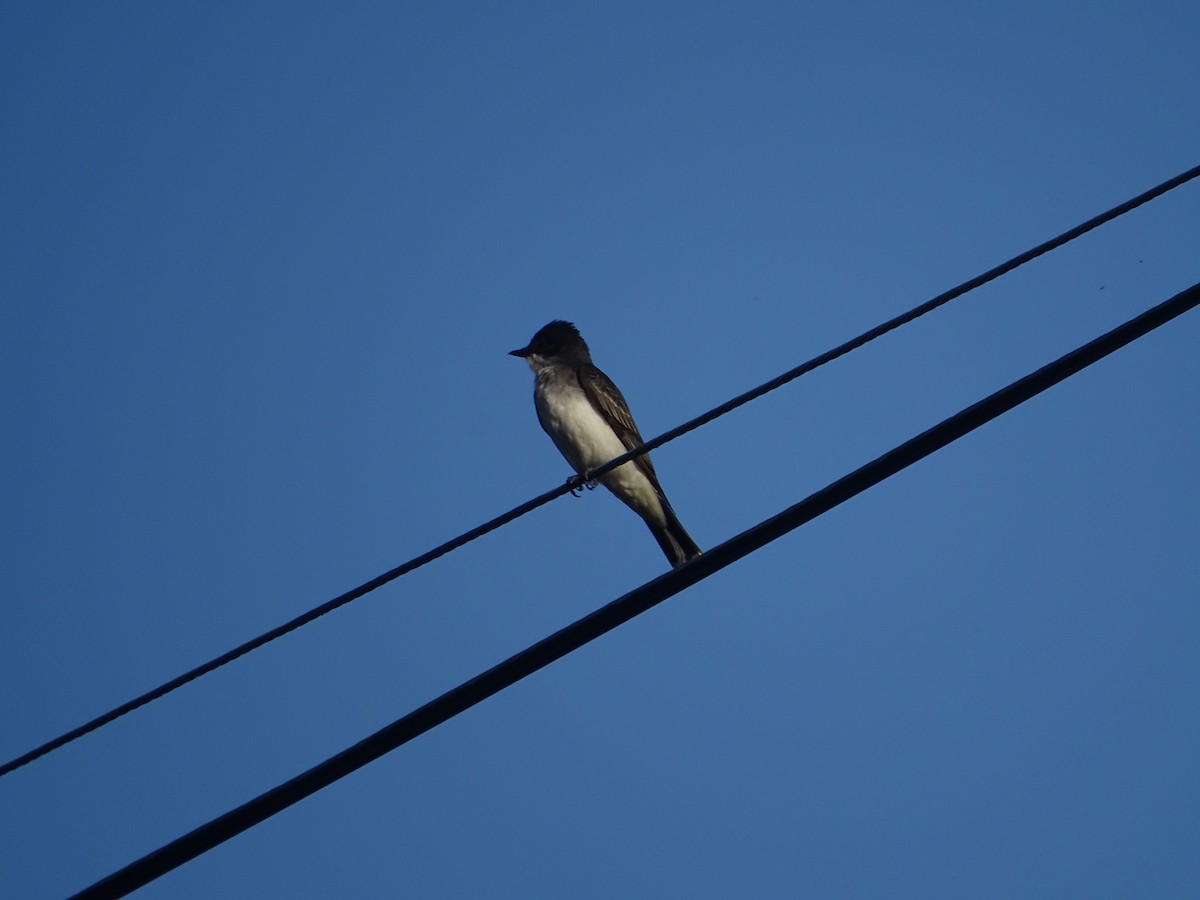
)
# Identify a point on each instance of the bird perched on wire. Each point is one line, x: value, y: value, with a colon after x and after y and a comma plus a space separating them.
x: 590, y: 424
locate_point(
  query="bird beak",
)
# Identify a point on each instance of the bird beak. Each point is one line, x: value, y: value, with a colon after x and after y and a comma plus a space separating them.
x: 523, y: 352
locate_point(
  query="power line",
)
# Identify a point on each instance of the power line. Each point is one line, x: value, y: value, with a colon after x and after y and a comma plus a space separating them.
x: 915, y: 313
x: 577, y: 481
x: 632, y: 604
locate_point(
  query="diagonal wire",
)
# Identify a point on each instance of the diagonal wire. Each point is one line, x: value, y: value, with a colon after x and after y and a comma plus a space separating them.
x: 619, y: 611
x: 577, y: 481
x: 892, y: 324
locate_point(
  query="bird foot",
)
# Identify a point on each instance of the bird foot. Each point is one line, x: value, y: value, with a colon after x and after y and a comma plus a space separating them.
x: 579, y: 482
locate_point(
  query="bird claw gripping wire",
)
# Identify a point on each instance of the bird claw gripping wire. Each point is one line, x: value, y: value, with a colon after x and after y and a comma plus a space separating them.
x: 579, y: 482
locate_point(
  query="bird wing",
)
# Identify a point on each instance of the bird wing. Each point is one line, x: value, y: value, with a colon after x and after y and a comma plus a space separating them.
x: 606, y: 398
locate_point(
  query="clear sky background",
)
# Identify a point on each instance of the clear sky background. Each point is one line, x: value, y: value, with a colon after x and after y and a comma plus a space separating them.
x: 261, y: 265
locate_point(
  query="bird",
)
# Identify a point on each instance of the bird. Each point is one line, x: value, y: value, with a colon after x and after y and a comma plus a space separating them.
x: 589, y: 422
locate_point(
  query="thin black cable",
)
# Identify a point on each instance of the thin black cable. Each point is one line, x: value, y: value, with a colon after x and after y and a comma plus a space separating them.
x: 577, y: 481
x: 265, y: 638
x: 915, y: 313
x: 621, y: 610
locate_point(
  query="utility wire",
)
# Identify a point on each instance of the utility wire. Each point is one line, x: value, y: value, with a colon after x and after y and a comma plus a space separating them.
x: 632, y: 604
x: 577, y: 481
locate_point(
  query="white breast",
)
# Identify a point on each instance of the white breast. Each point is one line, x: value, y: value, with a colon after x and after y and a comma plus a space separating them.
x: 586, y: 440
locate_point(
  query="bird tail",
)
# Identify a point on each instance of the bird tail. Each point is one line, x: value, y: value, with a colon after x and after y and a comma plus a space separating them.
x: 674, y: 540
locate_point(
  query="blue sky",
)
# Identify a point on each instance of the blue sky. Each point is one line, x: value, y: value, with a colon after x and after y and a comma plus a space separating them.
x: 261, y: 268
